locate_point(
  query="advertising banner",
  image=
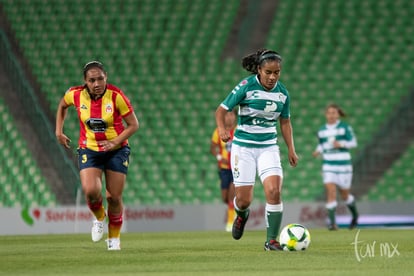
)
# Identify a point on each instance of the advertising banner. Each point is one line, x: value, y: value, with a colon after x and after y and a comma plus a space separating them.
x: 77, y: 219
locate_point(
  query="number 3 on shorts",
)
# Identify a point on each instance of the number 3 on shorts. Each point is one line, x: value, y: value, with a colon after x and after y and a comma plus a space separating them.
x: 84, y: 158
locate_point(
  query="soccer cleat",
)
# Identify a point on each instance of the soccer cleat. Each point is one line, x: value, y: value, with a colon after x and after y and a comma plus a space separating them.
x: 333, y: 227
x: 238, y: 226
x: 113, y: 244
x: 354, y: 223
x: 97, y: 230
x: 272, y: 245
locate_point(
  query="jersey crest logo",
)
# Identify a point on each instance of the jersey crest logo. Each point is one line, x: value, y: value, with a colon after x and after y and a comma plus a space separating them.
x: 83, y: 107
x: 108, y: 108
x: 236, y: 172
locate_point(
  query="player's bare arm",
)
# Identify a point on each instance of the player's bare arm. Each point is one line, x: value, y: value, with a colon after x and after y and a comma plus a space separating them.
x: 61, y: 113
x: 287, y: 132
x: 220, y: 115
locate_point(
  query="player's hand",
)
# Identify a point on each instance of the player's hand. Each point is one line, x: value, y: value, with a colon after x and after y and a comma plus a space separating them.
x: 337, y: 144
x: 63, y: 140
x: 315, y: 153
x: 107, y: 145
x: 293, y: 159
x: 224, y: 134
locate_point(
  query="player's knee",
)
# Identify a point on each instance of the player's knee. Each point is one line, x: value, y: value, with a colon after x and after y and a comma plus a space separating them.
x: 273, y: 194
x: 243, y: 203
x: 114, y: 201
x: 93, y: 197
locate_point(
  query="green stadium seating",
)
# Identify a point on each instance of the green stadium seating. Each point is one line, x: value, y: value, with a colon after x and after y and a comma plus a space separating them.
x: 396, y: 185
x: 166, y: 56
x: 21, y: 182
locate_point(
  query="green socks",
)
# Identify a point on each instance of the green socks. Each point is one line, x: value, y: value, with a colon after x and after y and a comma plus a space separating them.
x: 273, y: 219
x: 331, y: 215
x: 274, y: 214
x: 353, y: 209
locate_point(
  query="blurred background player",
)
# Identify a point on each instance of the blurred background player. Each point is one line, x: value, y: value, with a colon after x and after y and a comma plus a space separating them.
x: 263, y: 100
x: 222, y: 150
x: 335, y: 140
x: 103, y: 146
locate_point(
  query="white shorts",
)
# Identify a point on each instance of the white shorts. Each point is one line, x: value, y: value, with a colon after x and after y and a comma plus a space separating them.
x: 342, y: 180
x: 245, y: 161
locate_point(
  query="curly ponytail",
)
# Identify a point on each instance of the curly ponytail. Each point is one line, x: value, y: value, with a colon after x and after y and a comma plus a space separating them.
x: 252, y: 61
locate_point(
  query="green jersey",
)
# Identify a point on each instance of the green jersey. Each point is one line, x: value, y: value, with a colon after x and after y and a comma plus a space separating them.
x: 258, y: 111
x: 336, y: 160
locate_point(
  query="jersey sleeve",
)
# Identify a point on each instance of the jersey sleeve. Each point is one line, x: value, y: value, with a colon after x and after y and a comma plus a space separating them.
x: 235, y: 96
x: 349, y: 133
x: 69, y: 97
x: 350, y: 138
x: 285, y: 114
x: 124, y: 105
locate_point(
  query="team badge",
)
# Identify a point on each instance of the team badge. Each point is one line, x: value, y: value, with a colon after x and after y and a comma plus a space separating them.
x: 236, y: 172
x: 108, y: 108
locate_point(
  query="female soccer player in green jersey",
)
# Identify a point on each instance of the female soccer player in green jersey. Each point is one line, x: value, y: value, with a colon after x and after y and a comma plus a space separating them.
x: 262, y: 101
x: 335, y: 140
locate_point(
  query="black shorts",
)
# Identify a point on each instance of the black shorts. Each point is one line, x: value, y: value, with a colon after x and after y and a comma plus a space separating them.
x: 116, y: 160
x: 226, y: 178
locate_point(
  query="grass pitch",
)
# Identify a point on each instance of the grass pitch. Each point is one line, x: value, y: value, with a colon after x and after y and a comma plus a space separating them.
x: 344, y: 252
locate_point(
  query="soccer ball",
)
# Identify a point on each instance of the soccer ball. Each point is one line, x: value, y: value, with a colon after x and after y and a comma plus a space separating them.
x: 294, y: 237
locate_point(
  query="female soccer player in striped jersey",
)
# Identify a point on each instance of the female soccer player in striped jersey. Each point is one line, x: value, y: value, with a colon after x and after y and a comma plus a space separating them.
x: 262, y: 101
x: 335, y: 140
x: 102, y: 147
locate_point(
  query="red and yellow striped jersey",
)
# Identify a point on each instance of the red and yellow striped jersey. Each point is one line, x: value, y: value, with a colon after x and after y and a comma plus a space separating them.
x: 99, y: 119
x: 224, y: 149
